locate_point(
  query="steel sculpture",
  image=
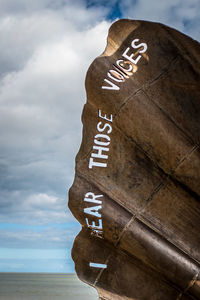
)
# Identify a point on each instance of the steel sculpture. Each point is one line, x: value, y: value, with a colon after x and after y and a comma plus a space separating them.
x: 136, y: 190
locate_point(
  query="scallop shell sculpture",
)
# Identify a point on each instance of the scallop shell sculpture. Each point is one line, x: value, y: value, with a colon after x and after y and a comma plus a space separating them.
x: 136, y: 190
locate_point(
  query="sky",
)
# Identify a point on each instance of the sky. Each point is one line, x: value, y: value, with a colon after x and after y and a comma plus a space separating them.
x: 45, y: 50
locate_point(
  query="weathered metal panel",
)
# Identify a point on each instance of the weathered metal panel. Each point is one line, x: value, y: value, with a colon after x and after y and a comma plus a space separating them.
x: 136, y: 190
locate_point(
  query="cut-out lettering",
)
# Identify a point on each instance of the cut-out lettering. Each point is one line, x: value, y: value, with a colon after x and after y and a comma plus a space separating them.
x: 125, y: 67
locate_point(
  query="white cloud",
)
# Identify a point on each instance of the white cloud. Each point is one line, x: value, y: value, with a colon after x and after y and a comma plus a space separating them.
x: 41, y: 200
x: 33, y: 209
x: 41, y: 98
x: 49, y: 237
x: 180, y: 14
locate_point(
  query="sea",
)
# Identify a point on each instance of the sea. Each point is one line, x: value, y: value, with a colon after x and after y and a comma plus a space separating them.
x: 44, y: 286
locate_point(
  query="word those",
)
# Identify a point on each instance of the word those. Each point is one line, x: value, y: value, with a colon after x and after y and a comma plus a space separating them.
x: 101, y: 142
x: 123, y: 68
x: 95, y: 221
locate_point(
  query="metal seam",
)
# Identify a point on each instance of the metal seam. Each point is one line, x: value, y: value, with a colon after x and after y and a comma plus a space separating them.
x: 138, y: 216
x: 191, y: 283
x: 147, y: 84
x: 185, y: 157
x: 101, y: 271
x: 124, y: 230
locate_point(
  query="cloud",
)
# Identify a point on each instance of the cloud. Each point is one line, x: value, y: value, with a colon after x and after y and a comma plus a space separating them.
x: 44, y: 56
x: 41, y: 99
x: 36, y: 265
x: 50, y: 236
x: 180, y: 14
x: 37, y: 209
x: 40, y: 127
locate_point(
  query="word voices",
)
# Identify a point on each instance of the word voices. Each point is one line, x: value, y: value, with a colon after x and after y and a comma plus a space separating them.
x: 95, y: 221
x: 123, y: 67
x: 101, y: 142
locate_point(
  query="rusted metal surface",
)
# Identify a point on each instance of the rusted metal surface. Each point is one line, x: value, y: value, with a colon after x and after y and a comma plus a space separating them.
x: 136, y: 190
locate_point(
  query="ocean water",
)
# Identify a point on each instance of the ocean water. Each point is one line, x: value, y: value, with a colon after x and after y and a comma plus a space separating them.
x: 42, y: 286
